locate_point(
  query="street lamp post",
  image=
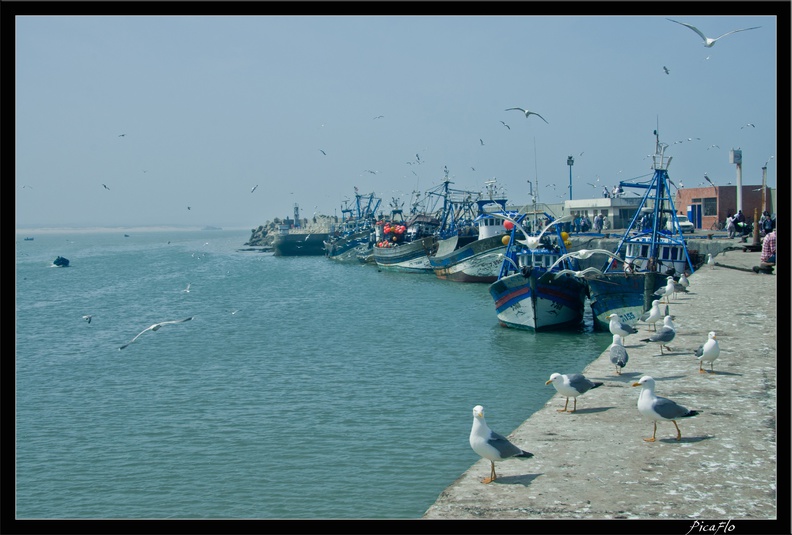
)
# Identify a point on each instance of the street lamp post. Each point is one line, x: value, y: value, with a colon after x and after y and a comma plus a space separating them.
x: 570, y: 163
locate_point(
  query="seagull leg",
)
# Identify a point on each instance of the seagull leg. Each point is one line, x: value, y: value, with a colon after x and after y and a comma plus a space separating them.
x: 492, y: 476
x: 574, y: 407
x: 653, y: 434
x: 565, y: 406
x: 679, y: 433
x: 702, y: 370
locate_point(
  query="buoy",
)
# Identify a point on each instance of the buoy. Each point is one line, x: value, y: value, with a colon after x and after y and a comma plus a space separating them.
x: 565, y: 236
x: 505, y: 240
x: 508, y: 225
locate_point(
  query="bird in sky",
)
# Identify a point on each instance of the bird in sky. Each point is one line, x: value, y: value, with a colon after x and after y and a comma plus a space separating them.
x: 87, y: 318
x: 708, y: 41
x: 370, y: 171
x: 121, y: 135
x: 188, y: 207
x: 527, y: 113
x: 379, y: 117
x: 154, y: 327
x: 713, y: 145
x: 507, y: 126
x: 490, y: 445
x: 254, y: 188
x: 482, y: 142
x: 666, y: 69
x: 323, y: 152
x: 749, y: 124
x: 572, y: 386
x: 708, y: 352
x: 657, y: 408
x: 105, y: 187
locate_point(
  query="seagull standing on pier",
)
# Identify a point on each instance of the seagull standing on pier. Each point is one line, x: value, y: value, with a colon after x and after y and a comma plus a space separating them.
x: 657, y: 408
x: 667, y: 290
x: 653, y: 315
x: 572, y: 386
x: 708, y: 352
x: 490, y: 445
x: 664, y: 336
x: 618, y: 355
x: 617, y: 327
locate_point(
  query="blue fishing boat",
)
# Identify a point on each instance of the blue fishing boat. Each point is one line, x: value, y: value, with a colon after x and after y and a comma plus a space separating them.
x: 353, y: 241
x: 536, y: 288
x: 479, y: 260
x: 441, y: 224
x: 646, y: 255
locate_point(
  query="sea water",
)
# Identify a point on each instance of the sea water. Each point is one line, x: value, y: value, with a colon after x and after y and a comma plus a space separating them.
x: 301, y: 389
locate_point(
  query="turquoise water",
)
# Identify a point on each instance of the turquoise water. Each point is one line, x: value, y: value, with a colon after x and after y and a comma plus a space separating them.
x: 333, y: 392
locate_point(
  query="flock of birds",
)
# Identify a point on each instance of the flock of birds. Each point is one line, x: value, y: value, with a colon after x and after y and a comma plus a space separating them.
x: 490, y: 445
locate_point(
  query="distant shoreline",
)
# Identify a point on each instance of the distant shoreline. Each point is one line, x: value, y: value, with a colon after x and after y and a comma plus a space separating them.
x: 154, y: 228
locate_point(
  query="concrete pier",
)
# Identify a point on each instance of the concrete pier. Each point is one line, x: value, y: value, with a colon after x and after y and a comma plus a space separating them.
x: 595, y: 465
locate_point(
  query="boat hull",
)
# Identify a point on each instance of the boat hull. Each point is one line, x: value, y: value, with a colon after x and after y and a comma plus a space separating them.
x: 622, y: 294
x: 300, y: 244
x: 411, y: 257
x: 350, y: 249
x: 537, y: 303
x: 477, y: 261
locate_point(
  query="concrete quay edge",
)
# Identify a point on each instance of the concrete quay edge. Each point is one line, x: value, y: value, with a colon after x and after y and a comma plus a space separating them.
x: 594, y: 464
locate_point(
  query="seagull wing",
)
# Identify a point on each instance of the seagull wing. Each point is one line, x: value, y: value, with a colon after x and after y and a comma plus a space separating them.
x: 139, y: 334
x: 735, y: 31
x: 704, y: 37
x: 519, y: 109
x: 154, y: 328
x: 542, y: 118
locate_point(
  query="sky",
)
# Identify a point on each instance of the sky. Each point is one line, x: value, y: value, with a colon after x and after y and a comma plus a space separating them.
x: 175, y: 119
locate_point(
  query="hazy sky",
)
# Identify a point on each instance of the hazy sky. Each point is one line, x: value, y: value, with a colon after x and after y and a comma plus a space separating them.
x: 171, y: 112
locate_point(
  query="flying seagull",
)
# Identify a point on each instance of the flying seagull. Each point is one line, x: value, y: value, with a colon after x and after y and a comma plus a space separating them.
x: 121, y: 135
x: 379, y: 117
x: 87, y: 318
x: 187, y: 289
x: 666, y: 69
x: 527, y: 113
x: 482, y: 142
x: 507, y: 126
x: 749, y: 124
x: 708, y: 41
x: 105, y: 187
x: 323, y: 152
x: 254, y: 188
x: 154, y: 327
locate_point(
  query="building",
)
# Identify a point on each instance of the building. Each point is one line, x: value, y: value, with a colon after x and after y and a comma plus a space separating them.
x: 707, y: 206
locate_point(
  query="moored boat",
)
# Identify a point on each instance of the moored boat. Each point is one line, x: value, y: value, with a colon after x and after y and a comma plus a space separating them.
x: 354, y: 240
x: 536, y: 288
x: 293, y: 239
x: 646, y: 254
x: 478, y: 260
